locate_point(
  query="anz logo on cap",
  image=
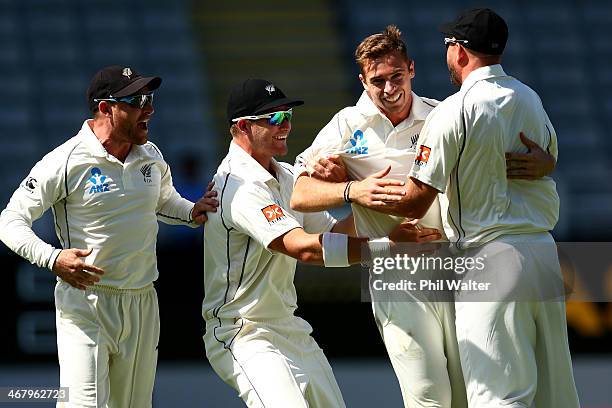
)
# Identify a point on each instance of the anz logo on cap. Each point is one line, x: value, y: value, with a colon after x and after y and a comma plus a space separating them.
x: 98, y: 182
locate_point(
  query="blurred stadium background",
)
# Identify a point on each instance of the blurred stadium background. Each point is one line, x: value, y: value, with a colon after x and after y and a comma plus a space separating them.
x: 49, y: 50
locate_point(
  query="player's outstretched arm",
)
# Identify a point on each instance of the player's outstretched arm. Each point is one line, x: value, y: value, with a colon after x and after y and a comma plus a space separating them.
x: 534, y: 164
x: 311, y: 194
x: 333, y: 249
x: 323, y: 188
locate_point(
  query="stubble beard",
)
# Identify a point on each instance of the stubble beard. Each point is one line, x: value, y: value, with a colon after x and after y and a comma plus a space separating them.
x: 454, y: 76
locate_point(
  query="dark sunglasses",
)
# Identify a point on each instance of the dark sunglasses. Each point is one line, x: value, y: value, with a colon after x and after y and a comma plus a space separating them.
x: 136, y: 101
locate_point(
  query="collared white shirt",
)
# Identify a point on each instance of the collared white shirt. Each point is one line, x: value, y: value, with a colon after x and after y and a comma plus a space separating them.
x: 242, y: 277
x: 461, y: 153
x: 98, y: 202
x: 368, y: 142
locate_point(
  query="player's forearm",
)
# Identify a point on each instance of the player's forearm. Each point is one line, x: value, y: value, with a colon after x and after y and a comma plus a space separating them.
x: 314, y: 255
x: 414, y: 204
x: 308, y: 248
x: 311, y: 194
x: 176, y: 210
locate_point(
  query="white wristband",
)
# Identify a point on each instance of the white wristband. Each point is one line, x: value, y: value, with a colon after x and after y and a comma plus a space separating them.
x: 380, y: 247
x: 335, y: 249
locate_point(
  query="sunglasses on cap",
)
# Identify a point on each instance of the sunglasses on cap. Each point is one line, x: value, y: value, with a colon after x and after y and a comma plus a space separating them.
x: 136, y: 101
x: 274, y: 118
x: 449, y: 41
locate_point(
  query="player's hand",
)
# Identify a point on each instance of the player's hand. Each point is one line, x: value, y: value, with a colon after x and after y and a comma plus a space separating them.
x: 534, y: 164
x: 375, y: 191
x: 207, y: 203
x: 410, y: 231
x: 73, y: 270
x: 330, y: 168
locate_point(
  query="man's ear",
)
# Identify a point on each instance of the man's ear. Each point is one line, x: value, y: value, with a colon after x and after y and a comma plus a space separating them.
x: 105, y: 108
x: 363, y: 81
x: 463, y: 57
x: 243, y: 125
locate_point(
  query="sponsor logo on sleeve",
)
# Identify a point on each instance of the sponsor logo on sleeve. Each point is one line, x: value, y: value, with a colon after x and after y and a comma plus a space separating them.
x: 422, y: 156
x: 273, y: 213
x: 30, y: 184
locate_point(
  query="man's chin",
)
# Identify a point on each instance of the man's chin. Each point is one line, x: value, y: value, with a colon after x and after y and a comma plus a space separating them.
x: 143, y: 137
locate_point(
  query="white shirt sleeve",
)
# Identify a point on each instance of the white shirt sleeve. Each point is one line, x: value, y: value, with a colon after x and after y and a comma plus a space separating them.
x: 252, y: 210
x: 41, y: 189
x: 171, y: 207
x: 318, y: 222
x: 438, y: 148
x: 328, y: 141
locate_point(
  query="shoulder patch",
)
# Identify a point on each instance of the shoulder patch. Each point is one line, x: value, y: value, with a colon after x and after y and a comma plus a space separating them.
x: 422, y: 155
x: 273, y: 213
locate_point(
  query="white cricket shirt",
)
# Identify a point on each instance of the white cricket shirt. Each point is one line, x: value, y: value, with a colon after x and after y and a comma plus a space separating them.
x: 100, y: 203
x: 368, y: 142
x: 461, y: 153
x: 242, y: 277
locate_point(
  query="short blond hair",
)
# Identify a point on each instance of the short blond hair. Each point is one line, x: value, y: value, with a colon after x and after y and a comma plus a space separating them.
x: 234, y: 130
x: 379, y: 44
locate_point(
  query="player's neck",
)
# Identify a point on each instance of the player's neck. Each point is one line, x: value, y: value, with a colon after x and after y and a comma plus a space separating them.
x: 116, y: 148
x: 397, y: 118
x: 264, y: 161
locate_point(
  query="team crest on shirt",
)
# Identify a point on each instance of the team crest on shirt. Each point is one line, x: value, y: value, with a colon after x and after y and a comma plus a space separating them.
x: 413, y: 142
x: 146, y: 172
x: 97, y: 182
x: 422, y: 156
x: 359, y: 144
x: 273, y: 213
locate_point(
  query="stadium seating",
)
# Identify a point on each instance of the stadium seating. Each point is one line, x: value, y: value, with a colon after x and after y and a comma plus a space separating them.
x: 50, y: 50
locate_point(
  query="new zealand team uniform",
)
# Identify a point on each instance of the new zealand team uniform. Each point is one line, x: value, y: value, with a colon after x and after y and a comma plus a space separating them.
x: 107, y: 335
x: 253, y: 340
x: 419, y: 334
x: 514, y: 349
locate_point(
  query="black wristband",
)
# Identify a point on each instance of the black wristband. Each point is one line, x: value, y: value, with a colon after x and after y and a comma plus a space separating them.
x: 347, y: 192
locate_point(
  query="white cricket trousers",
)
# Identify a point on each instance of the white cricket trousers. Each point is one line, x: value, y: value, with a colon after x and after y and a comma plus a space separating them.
x: 514, y: 348
x: 276, y: 364
x: 420, y: 339
x: 107, y: 345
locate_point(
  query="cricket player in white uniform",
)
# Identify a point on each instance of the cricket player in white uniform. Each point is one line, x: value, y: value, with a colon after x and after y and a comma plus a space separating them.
x: 382, y: 131
x: 253, y: 340
x: 514, y: 350
x: 107, y: 186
